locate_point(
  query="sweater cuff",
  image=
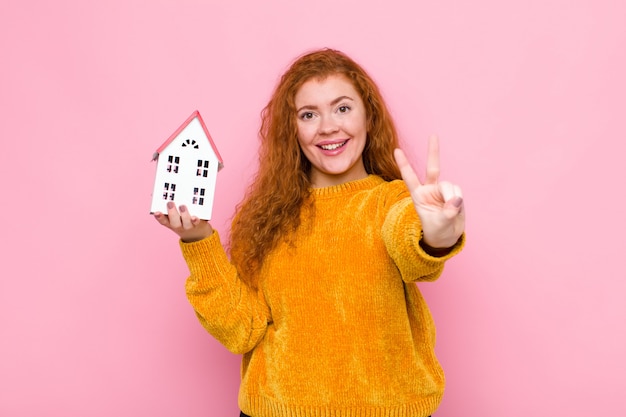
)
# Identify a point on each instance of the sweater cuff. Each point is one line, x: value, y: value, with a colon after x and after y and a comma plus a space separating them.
x: 401, y: 232
x: 403, y: 222
x: 206, y: 257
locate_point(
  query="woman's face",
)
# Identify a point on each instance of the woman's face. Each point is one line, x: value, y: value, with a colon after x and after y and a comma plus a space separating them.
x: 332, y: 130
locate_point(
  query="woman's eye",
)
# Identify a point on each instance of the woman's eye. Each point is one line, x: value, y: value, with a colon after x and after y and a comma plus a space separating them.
x: 343, y: 109
x: 306, y: 116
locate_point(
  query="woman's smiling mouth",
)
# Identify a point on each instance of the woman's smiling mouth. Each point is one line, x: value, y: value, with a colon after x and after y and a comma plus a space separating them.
x: 333, y: 146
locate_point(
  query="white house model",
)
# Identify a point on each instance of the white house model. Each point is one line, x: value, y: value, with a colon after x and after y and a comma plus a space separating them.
x: 186, y: 172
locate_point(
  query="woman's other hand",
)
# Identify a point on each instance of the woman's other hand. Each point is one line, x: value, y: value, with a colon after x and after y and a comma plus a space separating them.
x: 439, y: 204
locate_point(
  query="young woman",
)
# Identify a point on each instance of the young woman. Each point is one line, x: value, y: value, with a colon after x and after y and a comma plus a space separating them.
x: 319, y: 293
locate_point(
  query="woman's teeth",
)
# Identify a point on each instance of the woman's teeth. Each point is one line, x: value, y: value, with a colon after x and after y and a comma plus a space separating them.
x: 332, y: 146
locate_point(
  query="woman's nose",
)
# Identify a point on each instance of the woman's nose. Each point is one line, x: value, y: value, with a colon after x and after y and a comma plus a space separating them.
x: 328, y: 125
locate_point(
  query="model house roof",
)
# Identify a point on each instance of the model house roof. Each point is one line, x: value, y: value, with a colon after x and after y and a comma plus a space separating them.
x: 195, y: 114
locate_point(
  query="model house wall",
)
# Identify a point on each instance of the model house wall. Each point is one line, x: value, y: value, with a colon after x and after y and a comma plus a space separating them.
x: 186, y: 172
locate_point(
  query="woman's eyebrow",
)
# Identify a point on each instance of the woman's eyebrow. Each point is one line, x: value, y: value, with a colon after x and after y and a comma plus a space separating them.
x: 338, y: 99
x: 332, y: 103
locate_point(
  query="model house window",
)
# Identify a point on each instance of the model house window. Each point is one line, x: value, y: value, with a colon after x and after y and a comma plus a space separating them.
x: 168, y: 191
x: 198, y: 196
x: 203, y: 168
x: 190, y: 142
x: 172, y: 164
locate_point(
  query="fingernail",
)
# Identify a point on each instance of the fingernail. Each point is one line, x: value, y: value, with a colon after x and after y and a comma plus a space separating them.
x: 183, y: 209
x: 157, y: 215
x: 170, y: 204
x: 458, y: 202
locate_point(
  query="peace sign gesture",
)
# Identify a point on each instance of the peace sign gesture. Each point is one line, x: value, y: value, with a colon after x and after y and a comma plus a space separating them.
x: 439, y: 204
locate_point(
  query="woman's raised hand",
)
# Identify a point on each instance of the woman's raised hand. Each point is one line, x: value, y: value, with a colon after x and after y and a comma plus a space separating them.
x: 439, y: 204
x: 189, y: 228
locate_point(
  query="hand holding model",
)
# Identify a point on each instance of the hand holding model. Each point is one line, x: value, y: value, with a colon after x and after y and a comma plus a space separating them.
x: 189, y: 228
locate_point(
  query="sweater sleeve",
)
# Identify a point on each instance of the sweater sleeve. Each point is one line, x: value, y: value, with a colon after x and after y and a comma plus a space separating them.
x: 401, y: 233
x: 227, y: 308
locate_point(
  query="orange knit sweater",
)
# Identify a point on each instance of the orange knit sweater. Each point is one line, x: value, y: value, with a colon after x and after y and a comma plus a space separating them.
x: 338, y: 327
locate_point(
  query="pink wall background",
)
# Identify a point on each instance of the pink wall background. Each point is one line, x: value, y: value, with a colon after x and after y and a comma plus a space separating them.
x: 527, y: 97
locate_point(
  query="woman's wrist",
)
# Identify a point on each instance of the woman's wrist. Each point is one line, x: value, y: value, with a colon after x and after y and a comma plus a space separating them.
x: 436, y: 252
x: 439, y: 250
x: 196, y: 237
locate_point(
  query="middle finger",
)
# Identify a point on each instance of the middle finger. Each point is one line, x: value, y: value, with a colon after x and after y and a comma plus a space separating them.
x: 432, y: 164
x: 173, y: 215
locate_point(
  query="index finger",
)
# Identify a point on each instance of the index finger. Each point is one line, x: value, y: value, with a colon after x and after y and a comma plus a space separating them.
x: 432, y: 163
x: 408, y: 174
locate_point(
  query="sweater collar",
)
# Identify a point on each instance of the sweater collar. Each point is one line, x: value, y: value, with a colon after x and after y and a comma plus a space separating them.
x: 366, y: 183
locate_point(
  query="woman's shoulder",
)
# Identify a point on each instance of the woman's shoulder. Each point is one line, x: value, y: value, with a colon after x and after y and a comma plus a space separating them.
x: 385, y: 193
x: 392, y: 188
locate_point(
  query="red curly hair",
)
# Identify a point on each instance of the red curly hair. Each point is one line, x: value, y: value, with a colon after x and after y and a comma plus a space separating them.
x: 270, y: 211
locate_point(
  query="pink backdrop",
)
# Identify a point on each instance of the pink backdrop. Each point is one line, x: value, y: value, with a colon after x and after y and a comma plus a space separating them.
x: 528, y: 98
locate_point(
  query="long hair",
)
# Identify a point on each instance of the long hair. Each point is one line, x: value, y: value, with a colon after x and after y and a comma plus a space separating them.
x: 270, y: 211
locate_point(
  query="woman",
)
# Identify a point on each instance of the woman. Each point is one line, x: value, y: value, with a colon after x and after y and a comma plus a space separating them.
x: 319, y: 295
